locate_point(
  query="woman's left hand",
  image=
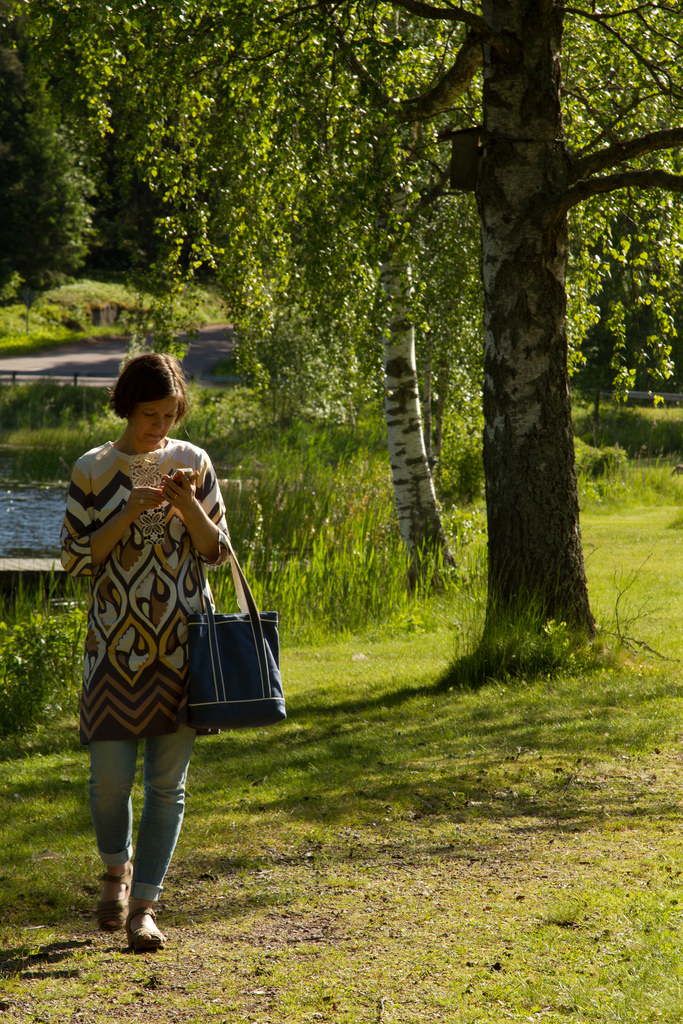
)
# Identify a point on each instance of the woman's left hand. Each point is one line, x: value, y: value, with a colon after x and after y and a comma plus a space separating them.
x: 178, y: 491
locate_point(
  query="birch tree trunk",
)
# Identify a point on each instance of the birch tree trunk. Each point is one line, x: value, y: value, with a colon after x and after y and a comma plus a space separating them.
x: 534, y: 538
x: 418, y: 513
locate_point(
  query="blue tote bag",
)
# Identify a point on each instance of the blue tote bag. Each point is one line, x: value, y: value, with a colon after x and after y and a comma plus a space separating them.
x: 234, y: 662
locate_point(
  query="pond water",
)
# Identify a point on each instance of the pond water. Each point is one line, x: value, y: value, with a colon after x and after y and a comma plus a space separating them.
x: 30, y: 520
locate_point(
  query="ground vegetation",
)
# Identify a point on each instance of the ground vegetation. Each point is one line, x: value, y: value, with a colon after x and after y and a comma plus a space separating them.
x: 402, y: 848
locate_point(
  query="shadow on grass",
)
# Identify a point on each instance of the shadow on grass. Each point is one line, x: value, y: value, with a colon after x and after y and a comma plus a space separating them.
x: 432, y: 771
x: 425, y: 752
x: 20, y: 960
x: 55, y: 737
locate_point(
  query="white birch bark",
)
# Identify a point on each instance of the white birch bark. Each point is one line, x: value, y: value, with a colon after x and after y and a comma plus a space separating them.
x: 416, y: 504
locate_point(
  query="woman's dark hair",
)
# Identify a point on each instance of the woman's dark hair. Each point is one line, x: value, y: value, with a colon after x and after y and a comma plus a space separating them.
x: 147, y: 378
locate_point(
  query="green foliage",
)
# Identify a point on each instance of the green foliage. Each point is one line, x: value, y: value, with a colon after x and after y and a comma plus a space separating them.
x: 44, y: 188
x: 45, y: 404
x: 323, y: 147
x: 310, y: 369
x: 16, y: 341
x: 316, y: 530
x: 317, y: 165
x: 309, y: 506
x: 40, y: 668
x: 677, y: 522
x: 521, y: 644
x: 596, y: 462
x: 321, y: 544
x: 640, y: 431
x: 10, y: 289
x: 633, y: 343
x: 62, y: 315
x: 624, y: 277
x: 638, y: 483
x: 459, y: 472
x: 47, y: 426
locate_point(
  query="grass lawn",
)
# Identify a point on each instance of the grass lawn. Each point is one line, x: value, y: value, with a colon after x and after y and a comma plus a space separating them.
x: 396, y: 851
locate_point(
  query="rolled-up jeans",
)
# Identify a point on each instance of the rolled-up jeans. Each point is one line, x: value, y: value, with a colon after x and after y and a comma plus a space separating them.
x: 112, y: 773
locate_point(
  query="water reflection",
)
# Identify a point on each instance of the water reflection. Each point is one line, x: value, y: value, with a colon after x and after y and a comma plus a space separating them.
x: 30, y: 520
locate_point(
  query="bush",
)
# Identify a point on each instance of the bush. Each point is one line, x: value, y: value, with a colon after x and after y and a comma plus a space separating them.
x: 40, y: 668
x: 597, y: 462
x: 309, y: 371
x: 460, y: 471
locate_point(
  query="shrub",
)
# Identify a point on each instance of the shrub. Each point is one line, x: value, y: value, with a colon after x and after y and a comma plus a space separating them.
x: 597, y: 462
x: 308, y: 370
x: 460, y: 470
x: 40, y: 668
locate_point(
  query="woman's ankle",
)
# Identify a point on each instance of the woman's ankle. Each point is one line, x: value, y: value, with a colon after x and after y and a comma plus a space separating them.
x: 119, y: 870
x: 139, y: 906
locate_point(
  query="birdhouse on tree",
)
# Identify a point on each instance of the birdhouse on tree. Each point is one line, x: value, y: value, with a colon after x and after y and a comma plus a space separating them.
x: 466, y: 150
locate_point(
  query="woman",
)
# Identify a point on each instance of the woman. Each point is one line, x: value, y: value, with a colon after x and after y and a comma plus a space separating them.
x: 139, y: 510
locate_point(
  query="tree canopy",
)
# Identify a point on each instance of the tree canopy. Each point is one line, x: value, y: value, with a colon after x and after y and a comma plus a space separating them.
x: 297, y: 148
x: 44, y: 185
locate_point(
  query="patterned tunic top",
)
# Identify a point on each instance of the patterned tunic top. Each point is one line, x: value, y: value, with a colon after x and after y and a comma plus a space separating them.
x: 135, y: 662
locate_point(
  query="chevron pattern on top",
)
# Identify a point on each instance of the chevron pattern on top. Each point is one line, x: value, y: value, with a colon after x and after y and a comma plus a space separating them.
x: 135, y: 658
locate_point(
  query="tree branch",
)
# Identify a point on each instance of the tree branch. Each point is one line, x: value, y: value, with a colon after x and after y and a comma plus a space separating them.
x: 505, y: 46
x: 649, y: 6
x: 670, y: 138
x: 356, y: 65
x: 444, y: 94
x: 450, y: 87
x: 583, y: 190
x: 608, y: 131
x: 656, y: 69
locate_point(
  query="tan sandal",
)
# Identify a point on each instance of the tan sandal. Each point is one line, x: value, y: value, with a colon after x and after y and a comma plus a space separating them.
x: 144, y: 939
x: 111, y: 914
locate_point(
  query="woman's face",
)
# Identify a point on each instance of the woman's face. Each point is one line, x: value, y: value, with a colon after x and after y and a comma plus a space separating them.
x: 150, y: 422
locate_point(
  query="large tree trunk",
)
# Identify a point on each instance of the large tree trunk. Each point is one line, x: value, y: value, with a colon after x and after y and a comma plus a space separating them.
x: 534, y: 541
x: 418, y: 512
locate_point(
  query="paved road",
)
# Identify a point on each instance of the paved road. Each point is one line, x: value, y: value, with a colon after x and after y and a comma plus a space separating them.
x: 99, y: 358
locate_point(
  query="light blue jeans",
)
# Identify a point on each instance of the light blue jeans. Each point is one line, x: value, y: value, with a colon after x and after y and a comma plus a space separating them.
x: 112, y: 773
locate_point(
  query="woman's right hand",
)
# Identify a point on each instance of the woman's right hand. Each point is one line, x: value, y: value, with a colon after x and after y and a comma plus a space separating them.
x: 141, y: 499
x: 103, y: 540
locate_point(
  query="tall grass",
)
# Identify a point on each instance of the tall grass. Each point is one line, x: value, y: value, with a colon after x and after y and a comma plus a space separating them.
x: 46, y: 426
x: 310, y: 507
x: 645, y: 432
x: 310, y: 511
x: 320, y: 543
x: 639, y: 482
x: 521, y: 643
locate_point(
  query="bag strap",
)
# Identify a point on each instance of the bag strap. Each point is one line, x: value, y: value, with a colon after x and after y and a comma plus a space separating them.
x: 245, y: 598
x: 248, y: 607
